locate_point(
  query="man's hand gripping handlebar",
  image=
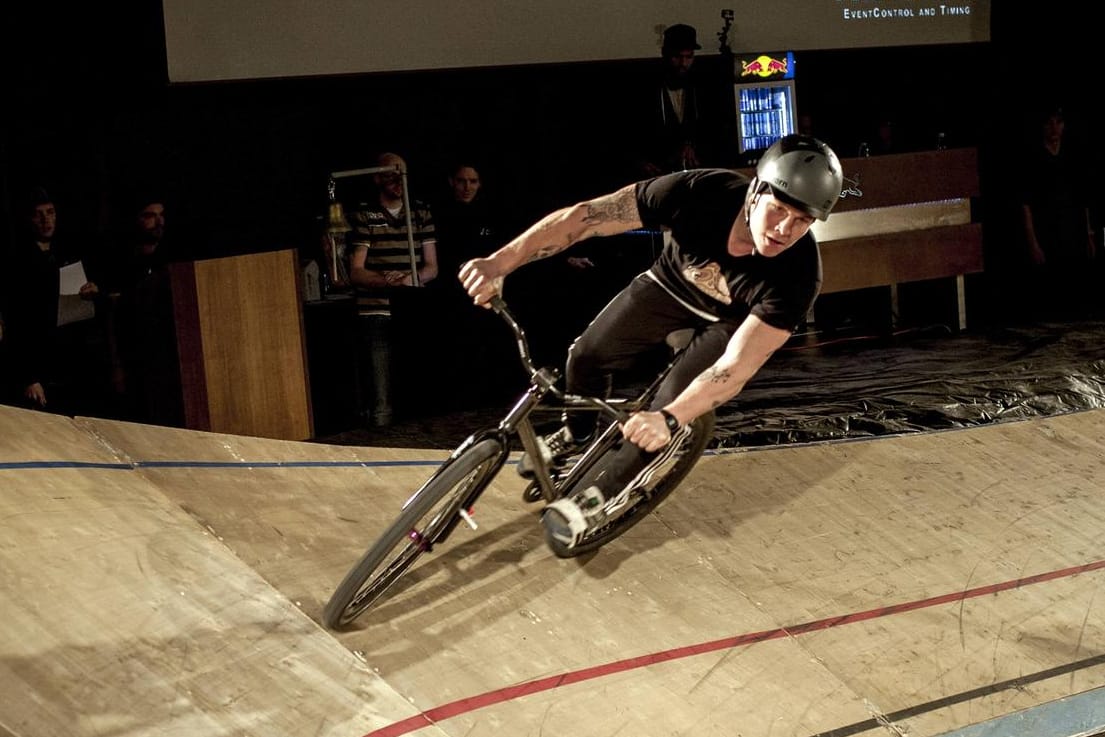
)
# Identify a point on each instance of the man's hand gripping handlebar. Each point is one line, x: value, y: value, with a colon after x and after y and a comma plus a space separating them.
x: 482, y: 279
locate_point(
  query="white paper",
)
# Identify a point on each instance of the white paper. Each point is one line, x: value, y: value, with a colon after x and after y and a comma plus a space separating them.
x: 72, y: 278
x: 71, y: 308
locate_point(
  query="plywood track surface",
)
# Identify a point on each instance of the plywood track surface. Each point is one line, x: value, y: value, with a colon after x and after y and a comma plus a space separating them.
x: 166, y: 582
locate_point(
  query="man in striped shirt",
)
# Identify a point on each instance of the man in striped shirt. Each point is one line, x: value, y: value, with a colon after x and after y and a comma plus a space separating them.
x: 385, y: 256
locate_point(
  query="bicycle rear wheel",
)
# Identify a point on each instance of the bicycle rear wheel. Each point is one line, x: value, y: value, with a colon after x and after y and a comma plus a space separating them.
x: 661, y: 483
x: 427, y: 517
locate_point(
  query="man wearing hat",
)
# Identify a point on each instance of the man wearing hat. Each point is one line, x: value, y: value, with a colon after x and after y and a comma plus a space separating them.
x: 675, y: 127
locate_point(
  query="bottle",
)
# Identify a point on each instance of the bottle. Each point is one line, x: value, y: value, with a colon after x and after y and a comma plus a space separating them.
x: 312, y: 291
x: 941, y: 142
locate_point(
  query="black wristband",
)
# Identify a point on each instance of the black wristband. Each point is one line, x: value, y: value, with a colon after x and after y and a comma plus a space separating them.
x: 670, y: 421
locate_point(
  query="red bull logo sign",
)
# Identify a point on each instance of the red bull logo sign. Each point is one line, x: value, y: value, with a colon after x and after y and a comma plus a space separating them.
x: 766, y: 65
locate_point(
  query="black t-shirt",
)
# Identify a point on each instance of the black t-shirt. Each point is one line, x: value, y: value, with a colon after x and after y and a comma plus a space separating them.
x: 464, y: 231
x: 697, y: 209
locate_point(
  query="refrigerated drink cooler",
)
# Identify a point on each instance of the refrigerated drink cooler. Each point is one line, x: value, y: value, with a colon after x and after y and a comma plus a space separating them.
x: 765, y: 99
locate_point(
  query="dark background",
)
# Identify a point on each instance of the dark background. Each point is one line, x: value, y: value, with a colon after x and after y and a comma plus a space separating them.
x: 92, y: 116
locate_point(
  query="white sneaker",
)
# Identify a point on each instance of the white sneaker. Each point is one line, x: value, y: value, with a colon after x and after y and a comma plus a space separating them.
x: 568, y: 520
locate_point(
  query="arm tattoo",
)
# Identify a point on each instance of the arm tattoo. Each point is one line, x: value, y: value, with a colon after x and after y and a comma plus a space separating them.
x: 715, y: 375
x: 618, y: 207
x: 546, y: 251
x: 551, y: 248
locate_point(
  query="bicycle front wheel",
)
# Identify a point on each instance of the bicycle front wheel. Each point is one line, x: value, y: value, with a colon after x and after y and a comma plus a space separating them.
x: 426, y: 519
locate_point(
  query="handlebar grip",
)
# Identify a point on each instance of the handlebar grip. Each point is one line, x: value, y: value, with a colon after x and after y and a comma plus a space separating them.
x: 497, y: 303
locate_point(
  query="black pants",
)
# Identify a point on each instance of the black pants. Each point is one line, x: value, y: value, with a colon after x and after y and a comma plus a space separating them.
x: 634, y: 323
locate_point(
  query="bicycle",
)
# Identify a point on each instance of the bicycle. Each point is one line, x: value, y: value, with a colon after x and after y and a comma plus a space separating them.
x: 446, y: 499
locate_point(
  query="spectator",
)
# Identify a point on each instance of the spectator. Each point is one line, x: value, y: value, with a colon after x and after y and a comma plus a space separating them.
x: 676, y: 123
x: 380, y: 264
x: 144, y: 329
x: 465, y: 223
x: 468, y: 224
x: 1055, y: 217
x: 54, y: 338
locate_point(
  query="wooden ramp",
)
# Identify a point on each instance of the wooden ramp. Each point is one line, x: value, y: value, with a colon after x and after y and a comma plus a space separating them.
x: 168, y: 582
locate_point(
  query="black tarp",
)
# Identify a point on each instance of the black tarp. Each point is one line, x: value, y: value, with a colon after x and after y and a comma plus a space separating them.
x: 835, y: 388
x: 918, y: 381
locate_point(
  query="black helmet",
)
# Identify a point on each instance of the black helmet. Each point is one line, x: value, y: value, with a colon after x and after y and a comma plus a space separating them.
x: 801, y: 171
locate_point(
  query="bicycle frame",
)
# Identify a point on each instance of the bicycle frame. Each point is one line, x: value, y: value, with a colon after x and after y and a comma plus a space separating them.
x: 517, y: 422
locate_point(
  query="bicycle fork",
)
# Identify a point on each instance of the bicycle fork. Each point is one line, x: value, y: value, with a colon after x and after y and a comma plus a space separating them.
x: 517, y: 421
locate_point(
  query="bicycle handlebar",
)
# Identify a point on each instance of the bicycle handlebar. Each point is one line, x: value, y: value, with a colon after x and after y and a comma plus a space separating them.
x: 499, y: 306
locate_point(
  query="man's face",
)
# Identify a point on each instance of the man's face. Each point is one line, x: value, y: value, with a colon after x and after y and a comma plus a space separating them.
x: 679, y: 62
x: 44, y: 221
x: 151, y: 222
x: 775, y: 225
x: 465, y: 183
x: 390, y: 183
x: 1053, y: 128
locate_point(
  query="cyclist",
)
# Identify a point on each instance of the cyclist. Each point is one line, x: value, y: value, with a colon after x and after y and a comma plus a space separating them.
x: 739, y: 266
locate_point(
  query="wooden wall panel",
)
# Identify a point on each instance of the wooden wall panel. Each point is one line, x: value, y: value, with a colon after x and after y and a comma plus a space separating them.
x: 895, y: 258
x: 921, y: 176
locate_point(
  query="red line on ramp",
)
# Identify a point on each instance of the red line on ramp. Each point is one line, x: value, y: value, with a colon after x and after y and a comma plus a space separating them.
x: 471, y: 703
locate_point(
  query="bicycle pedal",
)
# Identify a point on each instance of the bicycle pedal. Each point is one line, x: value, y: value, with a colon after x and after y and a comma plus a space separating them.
x: 556, y: 468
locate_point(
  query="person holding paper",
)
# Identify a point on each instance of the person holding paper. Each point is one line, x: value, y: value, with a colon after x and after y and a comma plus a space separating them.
x: 54, y: 342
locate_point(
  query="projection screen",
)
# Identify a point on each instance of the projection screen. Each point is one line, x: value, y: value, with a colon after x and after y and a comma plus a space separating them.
x: 214, y: 40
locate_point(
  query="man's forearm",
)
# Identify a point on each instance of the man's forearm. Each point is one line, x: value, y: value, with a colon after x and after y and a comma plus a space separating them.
x: 548, y: 236
x: 559, y: 230
x: 748, y: 350
x: 712, y: 388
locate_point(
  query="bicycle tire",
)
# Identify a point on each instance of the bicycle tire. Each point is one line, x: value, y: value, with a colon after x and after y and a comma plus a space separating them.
x: 431, y: 512
x: 702, y: 430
